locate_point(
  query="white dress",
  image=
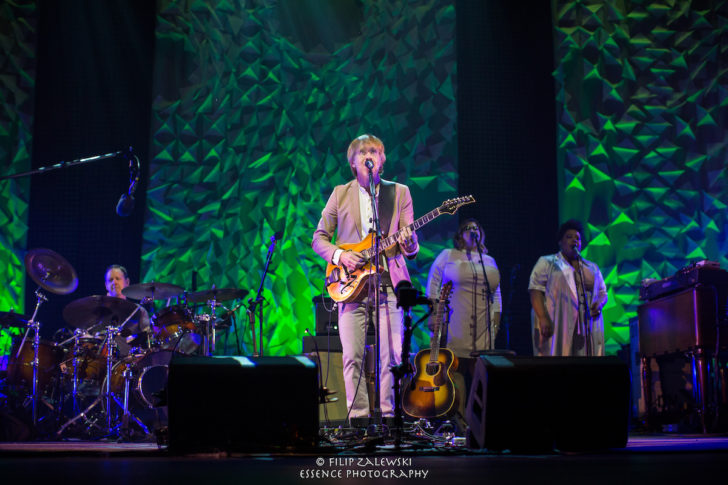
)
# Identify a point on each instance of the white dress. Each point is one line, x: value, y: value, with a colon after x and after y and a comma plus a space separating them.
x: 468, y: 301
x: 555, y: 277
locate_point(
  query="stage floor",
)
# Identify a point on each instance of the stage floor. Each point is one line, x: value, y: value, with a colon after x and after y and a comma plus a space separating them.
x: 663, y: 459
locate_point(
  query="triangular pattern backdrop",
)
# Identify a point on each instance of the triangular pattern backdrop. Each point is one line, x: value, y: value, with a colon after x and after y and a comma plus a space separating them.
x: 17, y: 83
x: 252, y: 118
x: 642, y: 96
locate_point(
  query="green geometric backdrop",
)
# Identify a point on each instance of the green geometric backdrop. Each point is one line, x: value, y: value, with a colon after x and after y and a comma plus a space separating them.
x: 642, y: 91
x: 251, y: 123
x: 254, y: 106
x: 17, y: 82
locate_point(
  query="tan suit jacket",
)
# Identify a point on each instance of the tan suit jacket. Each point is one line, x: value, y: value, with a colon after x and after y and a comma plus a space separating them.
x: 343, y: 217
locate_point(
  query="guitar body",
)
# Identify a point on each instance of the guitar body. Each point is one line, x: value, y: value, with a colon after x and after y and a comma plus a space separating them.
x: 347, y: 286
x: 431, y: 392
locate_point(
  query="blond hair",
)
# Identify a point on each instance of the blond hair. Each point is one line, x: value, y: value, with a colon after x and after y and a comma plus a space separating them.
x: 365, y: 139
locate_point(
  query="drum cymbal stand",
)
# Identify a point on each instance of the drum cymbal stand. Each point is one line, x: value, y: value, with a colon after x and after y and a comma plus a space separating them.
x: 124, y: 431
x: 209, y: 342
x: 77, y: 355
x: 106, y: 398
x: 34, y: 325
x: 111, y: 332
x: 109, y: 397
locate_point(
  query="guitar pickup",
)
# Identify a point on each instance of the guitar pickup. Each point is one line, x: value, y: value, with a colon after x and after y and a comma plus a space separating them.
x: 334, y: 276
x: 429, y: 389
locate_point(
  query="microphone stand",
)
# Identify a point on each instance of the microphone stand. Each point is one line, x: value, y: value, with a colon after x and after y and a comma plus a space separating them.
x: 587, y: 312
x: 377, y: 414
x: 488, y: 296
x: 258, y: 301
x: 72, y: 163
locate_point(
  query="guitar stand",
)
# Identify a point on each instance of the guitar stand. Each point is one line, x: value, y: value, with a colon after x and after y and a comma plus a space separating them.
x: 406, y: 298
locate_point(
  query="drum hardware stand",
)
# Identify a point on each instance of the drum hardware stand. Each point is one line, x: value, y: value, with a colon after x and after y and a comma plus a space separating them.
x: 257, y: 302
x: 124, y: 432
x: 76, y: 362
x: 210, y: 337
x: 108, y: 396
x: 34, y: 325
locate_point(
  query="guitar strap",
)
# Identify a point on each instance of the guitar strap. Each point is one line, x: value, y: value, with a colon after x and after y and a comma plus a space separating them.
x: 386, y: 205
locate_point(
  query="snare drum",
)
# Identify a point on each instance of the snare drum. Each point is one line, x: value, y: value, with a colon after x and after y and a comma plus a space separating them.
x: 20, y: 367
x: 175, y: 330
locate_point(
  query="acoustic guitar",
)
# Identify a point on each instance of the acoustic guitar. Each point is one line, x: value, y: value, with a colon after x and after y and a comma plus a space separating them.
x: 431, y: 392
x: 346, y: 286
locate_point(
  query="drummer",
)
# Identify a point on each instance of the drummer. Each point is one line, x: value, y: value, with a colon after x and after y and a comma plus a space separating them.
x: 116, y: 279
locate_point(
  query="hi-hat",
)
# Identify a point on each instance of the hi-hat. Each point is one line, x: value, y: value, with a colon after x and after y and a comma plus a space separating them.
x: 219, y: 294
x: 155, y: 291
x: 51, y: 271
x: 98, y: 311
x: 12, y: 319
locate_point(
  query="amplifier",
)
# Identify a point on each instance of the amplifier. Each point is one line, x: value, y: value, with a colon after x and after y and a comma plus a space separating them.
x: 326, y: 312
x: 702, y: 272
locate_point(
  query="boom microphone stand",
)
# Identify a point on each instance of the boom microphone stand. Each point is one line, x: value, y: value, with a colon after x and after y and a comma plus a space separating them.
x: 72, y: 163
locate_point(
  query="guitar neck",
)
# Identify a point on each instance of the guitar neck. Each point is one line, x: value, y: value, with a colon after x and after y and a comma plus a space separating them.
x: 390, y: 240
x: 437, y: 331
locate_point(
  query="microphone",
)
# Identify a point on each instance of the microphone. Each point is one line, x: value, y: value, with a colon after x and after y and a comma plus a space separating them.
x: 576, y: 250
x: 274, y: 239
x: 125, y: 206
x: 368, y: 163
x: 474, y: 234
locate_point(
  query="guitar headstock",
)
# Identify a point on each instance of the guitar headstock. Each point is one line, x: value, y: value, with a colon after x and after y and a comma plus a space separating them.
x: 445, y: 292
x: 451, y: 206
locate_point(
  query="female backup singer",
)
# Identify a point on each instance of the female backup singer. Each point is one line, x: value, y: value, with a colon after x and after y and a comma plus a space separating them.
x: 560, y: 284
x: 475, y: 303
x: 469, y: 331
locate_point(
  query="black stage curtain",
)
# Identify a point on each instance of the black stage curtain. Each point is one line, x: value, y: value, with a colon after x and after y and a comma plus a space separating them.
x: 506, y: 141
x: 93, y: 96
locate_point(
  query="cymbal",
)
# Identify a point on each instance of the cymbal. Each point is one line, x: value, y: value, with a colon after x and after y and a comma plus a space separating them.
x: 219, y: 294
x: 12, y: 319
x: 155, y: 291
x: 97, y: 311
x: 51, y: 271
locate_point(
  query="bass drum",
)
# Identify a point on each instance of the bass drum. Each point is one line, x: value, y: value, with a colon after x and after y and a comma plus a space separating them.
x: 148, y: 376
x: 148, y: 380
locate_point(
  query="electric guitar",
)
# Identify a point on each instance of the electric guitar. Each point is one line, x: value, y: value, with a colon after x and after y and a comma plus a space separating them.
x: 345, y: 286
x: 431, y: 392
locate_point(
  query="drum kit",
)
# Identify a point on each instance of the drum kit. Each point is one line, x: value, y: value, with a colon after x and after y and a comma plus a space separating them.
x: 109, y: 376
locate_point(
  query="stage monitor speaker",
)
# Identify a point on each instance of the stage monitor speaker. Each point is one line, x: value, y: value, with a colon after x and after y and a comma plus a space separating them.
x: 539, y: 404
x: 242, y: 404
